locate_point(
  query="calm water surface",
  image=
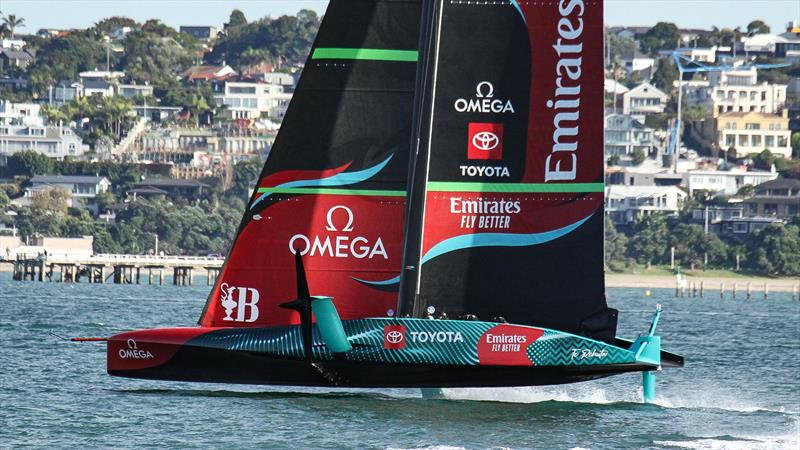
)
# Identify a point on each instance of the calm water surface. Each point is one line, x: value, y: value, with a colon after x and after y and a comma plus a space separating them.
x: 740, y: 389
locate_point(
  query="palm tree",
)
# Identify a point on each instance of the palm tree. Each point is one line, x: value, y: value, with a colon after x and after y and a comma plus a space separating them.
x: 11, y: 21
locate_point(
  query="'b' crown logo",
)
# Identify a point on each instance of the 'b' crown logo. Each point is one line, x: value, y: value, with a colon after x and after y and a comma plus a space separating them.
x: 241, y: 300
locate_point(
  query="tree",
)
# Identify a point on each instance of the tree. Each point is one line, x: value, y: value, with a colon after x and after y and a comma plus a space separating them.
x: 692, y: 245
x: 29, y: 163
x: 663, y: 36
x: 4, y: 201
x: 648, y: 243
x: 665, y: 75
x: 53, y: 200
x: 615, y: 246
x: 775, y: 250
x: 11, y: 22
x: 245, y: 175
x: 619, y: 46
x: 111, y: 24
x: 638, y: 156
x: 236, y: 19
x: 796, y: 145
x: 757, y: 27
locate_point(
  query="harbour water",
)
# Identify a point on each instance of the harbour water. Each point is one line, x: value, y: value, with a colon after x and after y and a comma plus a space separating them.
x: 740, y: 388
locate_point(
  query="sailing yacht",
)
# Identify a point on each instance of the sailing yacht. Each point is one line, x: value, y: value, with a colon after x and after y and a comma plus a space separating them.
x: 430, y: 215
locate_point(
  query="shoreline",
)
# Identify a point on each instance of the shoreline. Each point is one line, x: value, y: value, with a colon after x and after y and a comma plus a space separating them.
x: 644, y: 281
x: 711, y: 283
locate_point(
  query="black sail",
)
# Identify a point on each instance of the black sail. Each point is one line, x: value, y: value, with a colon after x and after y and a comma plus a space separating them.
x: 334, y: 185
x: 506, y: 196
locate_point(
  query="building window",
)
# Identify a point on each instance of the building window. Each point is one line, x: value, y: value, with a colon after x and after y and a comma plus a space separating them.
x: 740, y: 228
x: 242, y: 90
x: 782, y: 141
x: 756, y: 140
x: 730, y: 140
x: 742, y: 140
x: 769, y: 141
x: 752, y: 126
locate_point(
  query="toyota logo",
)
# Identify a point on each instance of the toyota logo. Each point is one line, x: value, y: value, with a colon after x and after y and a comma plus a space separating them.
x: 485, y: 140
x: 394, y: 337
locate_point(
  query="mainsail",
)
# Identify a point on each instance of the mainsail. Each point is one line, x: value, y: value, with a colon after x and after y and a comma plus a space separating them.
x: 506, y: 200
x: 334, y: 185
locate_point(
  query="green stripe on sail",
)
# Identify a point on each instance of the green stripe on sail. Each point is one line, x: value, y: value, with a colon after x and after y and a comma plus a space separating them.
x: 446, y: 186
x: 324, y: 191
x: 373, y: 54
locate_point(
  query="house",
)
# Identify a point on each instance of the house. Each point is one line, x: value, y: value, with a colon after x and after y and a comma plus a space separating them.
x: 111, y: 76
x: 134, y: 90
x: 14, y: 84
x: 789, y: 42
x: 739, y: 91
x: 639, y: 65
x: 10, y: 58
x: 753, y: 132
x: 97, y: 87
x: 635, y: 33
x: 204, y: 33
x: 20, y: 113
x: 121, y: 32
x: 54, y: 142
x: 776, y: 198
x: 82, y: 189
x: 727, y: 182
x: 188, y: 189
x: 13, y: 44
x: 643, y: 99
x: 66, y: 91
x: 208, y: 73
x: 704, y: 55
x: 624, y: 135
x: 625, y: 204
x: 246, y: 100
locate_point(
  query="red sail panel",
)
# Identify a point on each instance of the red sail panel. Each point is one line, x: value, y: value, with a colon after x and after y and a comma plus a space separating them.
x: 334, y: 185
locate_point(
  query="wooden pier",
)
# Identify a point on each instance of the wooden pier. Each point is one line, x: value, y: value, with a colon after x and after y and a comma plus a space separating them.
x: 121, y: 269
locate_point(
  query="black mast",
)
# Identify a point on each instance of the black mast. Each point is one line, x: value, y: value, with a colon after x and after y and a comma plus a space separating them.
x: 419, y: 158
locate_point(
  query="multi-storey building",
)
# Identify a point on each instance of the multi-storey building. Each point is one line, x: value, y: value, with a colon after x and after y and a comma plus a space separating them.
x: 54, y: 142
x: 643, y: 99
x: 753, y: 132
x: 624, y: 135
x: 248, y: 100
x: 736, y: 91
x: 624, y: 204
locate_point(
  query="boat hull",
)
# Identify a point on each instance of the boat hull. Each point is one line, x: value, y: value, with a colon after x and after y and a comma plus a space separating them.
x: 384, y: 353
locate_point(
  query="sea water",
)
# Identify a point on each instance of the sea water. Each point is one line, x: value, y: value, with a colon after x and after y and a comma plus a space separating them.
x: 740, y: 388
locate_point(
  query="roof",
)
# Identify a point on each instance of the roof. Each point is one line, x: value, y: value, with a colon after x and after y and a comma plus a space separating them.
x: 783, y: 183
x: 148, y: 190
x: 170, y: 182
x: 67, y: 179
x: 17, y: 54
x: 646, y: 88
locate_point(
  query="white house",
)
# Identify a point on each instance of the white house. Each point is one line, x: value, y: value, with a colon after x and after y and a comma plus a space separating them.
x: 644, y: 99
x: 639, y: 63
x: 20, y: 113
x: 727, y: 182
x: 54, y: 142
x: 247, y: 100
x: 736, y: 91
x: 624, y: 204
